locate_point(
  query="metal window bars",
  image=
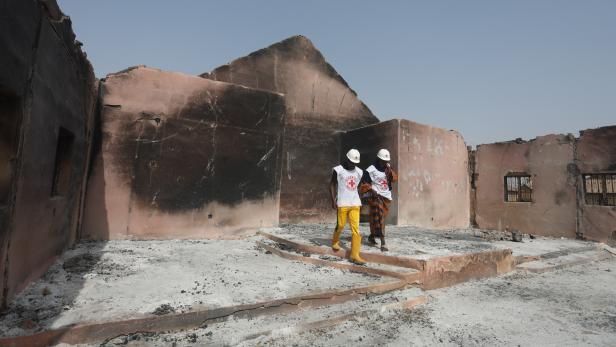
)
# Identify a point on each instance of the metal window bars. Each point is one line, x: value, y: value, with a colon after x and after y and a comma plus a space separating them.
x: 600, y: 189
x: 518, y: 188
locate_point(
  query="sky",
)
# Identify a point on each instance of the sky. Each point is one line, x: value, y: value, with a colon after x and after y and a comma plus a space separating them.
x: 493, y: 70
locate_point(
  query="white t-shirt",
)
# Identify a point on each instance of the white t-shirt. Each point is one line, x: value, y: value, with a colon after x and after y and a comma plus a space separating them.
x: 379, y: 182
x: 348, y: 196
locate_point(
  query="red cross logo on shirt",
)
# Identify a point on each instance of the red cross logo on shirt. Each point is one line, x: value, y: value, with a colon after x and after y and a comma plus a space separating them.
x: 351, y: 183
x: 382, y: 183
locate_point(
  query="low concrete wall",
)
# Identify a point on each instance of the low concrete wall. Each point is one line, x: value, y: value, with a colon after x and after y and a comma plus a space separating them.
x: 46, y: 83
x: 183, y: 157
x: 320, y: 106
x: 433, y: 187
x: 448, y: 271
x: 596, y: 153
x: 549, y: 160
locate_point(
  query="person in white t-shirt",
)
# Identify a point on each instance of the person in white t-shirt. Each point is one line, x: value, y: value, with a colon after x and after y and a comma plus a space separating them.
x: 376, y: 183
x: 344, y: 193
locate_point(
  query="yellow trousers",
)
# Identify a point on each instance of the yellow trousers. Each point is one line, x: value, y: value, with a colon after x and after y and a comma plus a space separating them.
x: 352, y: 214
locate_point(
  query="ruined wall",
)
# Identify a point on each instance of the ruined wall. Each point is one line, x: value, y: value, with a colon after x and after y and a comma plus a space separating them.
x: 368, y: 140
x: 433, y: 177
x: 183, y: 157
x: 432, y: 165
x: 47, y: 96
x: 596, y: 153
x: 550, y: 162
x: 320, y: 105
x: 472, y: 164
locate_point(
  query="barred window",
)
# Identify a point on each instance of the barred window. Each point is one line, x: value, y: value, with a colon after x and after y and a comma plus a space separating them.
x: 600, y: 189
x: 518, y: 188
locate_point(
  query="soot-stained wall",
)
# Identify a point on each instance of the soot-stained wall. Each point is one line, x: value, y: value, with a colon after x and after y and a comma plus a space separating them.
x: 549, y: 160
x: 47, y: 98
x: 320, y: 105
x: 183, y: 157
x: 596, y: 153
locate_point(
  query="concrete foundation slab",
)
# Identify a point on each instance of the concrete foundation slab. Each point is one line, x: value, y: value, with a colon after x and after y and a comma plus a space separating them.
x: 571, y: 307
x: 98, y: 282
x: 424, y: 244
x: 551, y: 264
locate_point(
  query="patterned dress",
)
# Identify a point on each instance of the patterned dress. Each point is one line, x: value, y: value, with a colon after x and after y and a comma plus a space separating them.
x: 379, y: 204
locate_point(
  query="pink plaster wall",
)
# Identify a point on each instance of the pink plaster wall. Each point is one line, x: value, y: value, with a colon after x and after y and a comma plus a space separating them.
x: 549, y: 160
x: 183, y: 157
x: 596, y: 153
x: 433, y: 186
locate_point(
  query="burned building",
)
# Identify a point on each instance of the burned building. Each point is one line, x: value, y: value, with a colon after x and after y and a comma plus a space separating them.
x: 320, y: 105
x: 595, y: 155
x: 47, y: 99
x: 542, y: 166
x: 151, y: 154
x: 432, y: 164
x: 180, y: 156
x: 554, y: 185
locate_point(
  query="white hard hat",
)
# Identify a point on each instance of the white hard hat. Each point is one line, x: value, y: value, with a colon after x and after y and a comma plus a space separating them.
x: 353, y: 156
x: 383, y: 155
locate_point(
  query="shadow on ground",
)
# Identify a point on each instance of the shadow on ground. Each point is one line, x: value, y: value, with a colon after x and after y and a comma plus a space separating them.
x: 43, y: 301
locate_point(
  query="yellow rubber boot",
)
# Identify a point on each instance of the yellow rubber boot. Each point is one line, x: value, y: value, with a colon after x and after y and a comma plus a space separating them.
x: 336, y: 240
x: 355, y: 236
x: 355, y: 246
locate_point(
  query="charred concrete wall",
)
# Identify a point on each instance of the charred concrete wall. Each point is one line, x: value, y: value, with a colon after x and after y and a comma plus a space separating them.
x: 47, y: 97
x: 549, y: 161
x: 596, y: 153
x: 320, y: 105
x: 432, y: 165
x: 368, y: 140
x: 183, y: 157
x: 434, y: 183
x: 472, y: 163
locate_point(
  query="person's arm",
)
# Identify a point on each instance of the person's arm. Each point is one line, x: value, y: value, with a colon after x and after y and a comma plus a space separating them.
x: 333, y: 187
x: 365, y: 184
x: 391, y: 175
x: 365, y: 178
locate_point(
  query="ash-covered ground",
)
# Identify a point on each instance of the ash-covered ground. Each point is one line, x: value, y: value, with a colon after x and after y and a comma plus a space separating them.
x: 570, y: 307
x: 423, y: 243
x: 106, y: 281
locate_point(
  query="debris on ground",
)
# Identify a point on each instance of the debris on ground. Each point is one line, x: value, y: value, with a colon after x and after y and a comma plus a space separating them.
x: 163, y: 309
